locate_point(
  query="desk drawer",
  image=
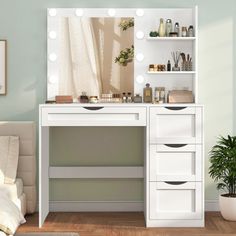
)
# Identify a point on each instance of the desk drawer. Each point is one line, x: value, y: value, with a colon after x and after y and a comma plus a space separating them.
x: 93, y: 116
x: 175, y: 162
x: 175, y: 200
x: 175, y: 125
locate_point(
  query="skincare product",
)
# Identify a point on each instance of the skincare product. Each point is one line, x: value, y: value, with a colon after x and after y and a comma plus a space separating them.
x: 147, y: 94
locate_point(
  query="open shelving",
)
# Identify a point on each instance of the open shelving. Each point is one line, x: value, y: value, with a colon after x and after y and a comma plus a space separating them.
x: 157, y: 50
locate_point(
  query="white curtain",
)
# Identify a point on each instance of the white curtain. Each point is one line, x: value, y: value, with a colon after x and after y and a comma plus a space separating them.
x: 79, y: 62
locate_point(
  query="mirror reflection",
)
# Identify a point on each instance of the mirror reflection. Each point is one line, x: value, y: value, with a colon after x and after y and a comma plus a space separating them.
x: 96, y: 55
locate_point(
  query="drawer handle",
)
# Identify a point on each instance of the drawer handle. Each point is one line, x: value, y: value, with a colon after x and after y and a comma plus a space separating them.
x: 93, y: 108
x: 175, y: 145
x: 175, y: 108
x: 175, y: 182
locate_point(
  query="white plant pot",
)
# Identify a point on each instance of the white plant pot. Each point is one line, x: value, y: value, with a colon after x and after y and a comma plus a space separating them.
x: 228, y: 207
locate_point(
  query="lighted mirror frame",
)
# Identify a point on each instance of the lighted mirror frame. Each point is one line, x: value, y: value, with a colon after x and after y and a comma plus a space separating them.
x: 53, y: 17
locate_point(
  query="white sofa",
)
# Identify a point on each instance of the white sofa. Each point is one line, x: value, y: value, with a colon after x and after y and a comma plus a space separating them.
x: 23, y: 191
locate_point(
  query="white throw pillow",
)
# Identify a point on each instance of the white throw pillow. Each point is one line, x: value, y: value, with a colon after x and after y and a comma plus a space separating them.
x: 9, y: 155
x: 10, y: 215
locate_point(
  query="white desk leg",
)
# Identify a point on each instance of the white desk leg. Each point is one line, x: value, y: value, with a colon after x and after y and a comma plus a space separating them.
x: 43, y: 174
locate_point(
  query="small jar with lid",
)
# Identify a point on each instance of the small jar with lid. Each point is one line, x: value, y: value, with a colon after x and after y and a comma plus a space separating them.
x: 93, y: 99
x: 138, y: 98
x: 151, y: 67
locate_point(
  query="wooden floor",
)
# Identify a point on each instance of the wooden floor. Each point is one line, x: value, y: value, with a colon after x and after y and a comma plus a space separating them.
x: 123, y: 224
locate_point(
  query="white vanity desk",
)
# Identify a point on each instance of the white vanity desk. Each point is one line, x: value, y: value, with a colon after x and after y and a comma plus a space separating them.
x: 172, y: 171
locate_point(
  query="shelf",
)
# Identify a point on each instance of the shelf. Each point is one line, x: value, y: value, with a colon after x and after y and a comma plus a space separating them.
x: 171, y: 38
x: 171, y: 72
x: 93, y: 172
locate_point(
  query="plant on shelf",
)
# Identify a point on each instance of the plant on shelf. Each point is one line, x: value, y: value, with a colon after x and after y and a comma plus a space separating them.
x: 223, y: 171
x: 125, y: 24
x: 125, y: 56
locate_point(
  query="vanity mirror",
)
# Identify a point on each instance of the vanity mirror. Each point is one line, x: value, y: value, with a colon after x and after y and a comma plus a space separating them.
x: 91, y: 53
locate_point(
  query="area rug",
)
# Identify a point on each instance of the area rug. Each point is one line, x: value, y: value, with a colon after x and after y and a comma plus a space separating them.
x: 47, y: 234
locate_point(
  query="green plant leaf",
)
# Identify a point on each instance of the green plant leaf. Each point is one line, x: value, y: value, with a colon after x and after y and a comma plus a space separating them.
x: 223, y: 163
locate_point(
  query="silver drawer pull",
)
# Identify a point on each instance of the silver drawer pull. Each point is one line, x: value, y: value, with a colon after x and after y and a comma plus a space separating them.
x: 175, y: 108
x: 175, y: 182
x: 175, y: 145
x: 93, y: 108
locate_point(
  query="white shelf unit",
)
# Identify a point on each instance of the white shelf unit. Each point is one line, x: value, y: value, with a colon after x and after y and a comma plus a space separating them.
x: 157, y: 50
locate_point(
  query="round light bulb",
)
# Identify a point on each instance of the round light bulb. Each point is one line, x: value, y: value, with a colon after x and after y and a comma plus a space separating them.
x: 52, y: 35
x: 139, y: 79
x: 139, y: 12
x: 53, y: 79
x: 53, y: 57
x: 111, y: 12
x: 52, y: 12
x: 140, y: 34
x: 79, y: 12
x: 139, y: 57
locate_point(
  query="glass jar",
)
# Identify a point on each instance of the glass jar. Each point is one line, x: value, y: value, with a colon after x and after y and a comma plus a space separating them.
x: 184, y: 31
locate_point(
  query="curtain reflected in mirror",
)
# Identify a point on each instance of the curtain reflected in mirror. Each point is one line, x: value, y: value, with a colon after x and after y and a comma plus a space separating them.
x: 96, y: 56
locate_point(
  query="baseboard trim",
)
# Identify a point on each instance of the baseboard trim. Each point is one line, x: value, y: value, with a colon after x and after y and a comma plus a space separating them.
x: 96, y: 206
x: 106, y: 206
x: 212, y: 205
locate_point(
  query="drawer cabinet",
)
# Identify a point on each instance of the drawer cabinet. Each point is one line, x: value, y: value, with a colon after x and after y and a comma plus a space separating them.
x: 175, y: 125
x: 175, y: 200
x: 175, y: 166
x: 175, y: 162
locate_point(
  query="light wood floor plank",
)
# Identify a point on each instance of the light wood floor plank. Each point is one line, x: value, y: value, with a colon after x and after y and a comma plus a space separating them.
x: 123, y: 224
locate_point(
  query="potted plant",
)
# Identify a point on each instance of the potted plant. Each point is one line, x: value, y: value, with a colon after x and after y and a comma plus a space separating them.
x: 223, y: 171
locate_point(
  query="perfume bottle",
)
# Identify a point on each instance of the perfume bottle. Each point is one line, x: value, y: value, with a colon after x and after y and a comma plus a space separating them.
x: 84, y: 98
x: 176, y: 29
x: 168, y: 27
x: 168, y: 66
x: 129, y: 98
x: 147, y: 94
x: 161, y: 29
x: 124, y: 99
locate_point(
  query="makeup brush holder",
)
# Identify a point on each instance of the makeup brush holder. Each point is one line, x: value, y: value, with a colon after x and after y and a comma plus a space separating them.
x: 187, y: 66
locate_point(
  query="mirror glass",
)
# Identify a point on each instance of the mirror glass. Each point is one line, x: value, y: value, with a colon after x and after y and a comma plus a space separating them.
x: 96, y: 55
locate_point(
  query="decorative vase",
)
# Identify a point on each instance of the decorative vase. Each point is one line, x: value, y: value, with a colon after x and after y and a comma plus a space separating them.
x: 228, y: 207
x: 161, y: 29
